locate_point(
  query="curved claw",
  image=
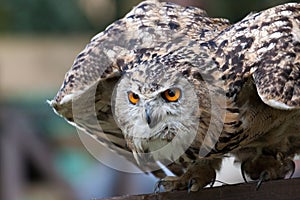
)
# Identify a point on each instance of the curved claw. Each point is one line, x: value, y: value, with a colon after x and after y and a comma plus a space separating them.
x: 194, y: 181
x: 213, y: 182
x: 190, y: 184
x: 243, y: 171
x: 293, y: 167
x: 157, y: 186
x: 263, y: 177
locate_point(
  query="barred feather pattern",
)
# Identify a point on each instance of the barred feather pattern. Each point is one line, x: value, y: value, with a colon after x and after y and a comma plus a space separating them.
x: 251, y: 68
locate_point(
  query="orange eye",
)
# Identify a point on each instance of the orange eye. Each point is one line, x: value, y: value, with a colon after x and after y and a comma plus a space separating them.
x: 133, y: 98
x: 171, y: 95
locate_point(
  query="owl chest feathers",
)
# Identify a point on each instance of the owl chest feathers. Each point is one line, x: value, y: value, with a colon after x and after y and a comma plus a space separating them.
x: 217, y: 132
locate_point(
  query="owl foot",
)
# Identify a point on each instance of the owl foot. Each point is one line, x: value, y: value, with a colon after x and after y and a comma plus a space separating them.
x: 197, y: 176
x: 265, y: 176
x: 193, y: 185
x: 169, y: 183
x: 265, y: 168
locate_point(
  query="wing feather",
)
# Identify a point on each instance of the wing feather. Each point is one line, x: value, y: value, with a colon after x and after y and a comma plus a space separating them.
x: 264, y: 46
x: 84, y: 98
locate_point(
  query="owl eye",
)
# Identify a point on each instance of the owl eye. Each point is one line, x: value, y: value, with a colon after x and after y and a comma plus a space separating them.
x: 133, y: 98
x: 171, y: 95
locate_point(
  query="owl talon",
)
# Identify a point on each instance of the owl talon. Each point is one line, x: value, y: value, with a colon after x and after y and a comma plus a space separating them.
x: 243, y: 171
x: 190, y: 184
x: 264, y: 176
x: 292, y: 165
x: 169, y: 183
x: 157, y: 186
x: 213, y: 182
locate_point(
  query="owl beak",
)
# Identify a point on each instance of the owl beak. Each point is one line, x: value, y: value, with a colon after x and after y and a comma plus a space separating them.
x: 148, y: 118
x: 151, y: 119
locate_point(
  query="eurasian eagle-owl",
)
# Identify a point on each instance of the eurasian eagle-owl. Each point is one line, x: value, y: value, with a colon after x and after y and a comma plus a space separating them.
x: 168, y: 83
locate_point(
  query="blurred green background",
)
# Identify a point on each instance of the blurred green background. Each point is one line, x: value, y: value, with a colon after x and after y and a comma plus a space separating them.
x: 41, y: 155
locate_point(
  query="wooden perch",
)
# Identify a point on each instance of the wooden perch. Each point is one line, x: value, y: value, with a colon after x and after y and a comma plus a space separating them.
x: 281, y: 189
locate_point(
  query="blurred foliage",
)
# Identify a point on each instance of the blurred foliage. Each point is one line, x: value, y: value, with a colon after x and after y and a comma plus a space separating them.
x: 52, y: 16
x: 235, y: 10
x: 36, y: 109
x: 40, y: 16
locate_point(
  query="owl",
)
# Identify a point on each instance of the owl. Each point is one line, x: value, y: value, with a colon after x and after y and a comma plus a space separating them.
x: 169, y: 86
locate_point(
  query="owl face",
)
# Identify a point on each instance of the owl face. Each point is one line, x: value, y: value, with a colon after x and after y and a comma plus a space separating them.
x: 153, y: 105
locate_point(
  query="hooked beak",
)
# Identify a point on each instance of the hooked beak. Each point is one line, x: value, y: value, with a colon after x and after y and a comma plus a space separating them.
x: 148, y: 113
x: 150, y: 117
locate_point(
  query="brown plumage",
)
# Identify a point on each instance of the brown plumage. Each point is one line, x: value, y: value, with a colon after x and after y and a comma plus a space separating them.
x: 239, y: 91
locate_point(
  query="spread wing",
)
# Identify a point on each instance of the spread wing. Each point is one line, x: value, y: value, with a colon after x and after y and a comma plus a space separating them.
x: 150, y: 28
x: 257, y: 56
x: 277, y: 74
x: 265, y: 47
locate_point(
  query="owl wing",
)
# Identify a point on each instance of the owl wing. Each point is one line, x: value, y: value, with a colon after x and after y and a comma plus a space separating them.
x: 277, y: 73
x: 259, y: 55
x: 264, y: 46
x: 151, y: 28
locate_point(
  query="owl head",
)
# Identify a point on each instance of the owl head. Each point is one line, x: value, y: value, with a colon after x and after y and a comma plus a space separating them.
x: 154, y: 105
